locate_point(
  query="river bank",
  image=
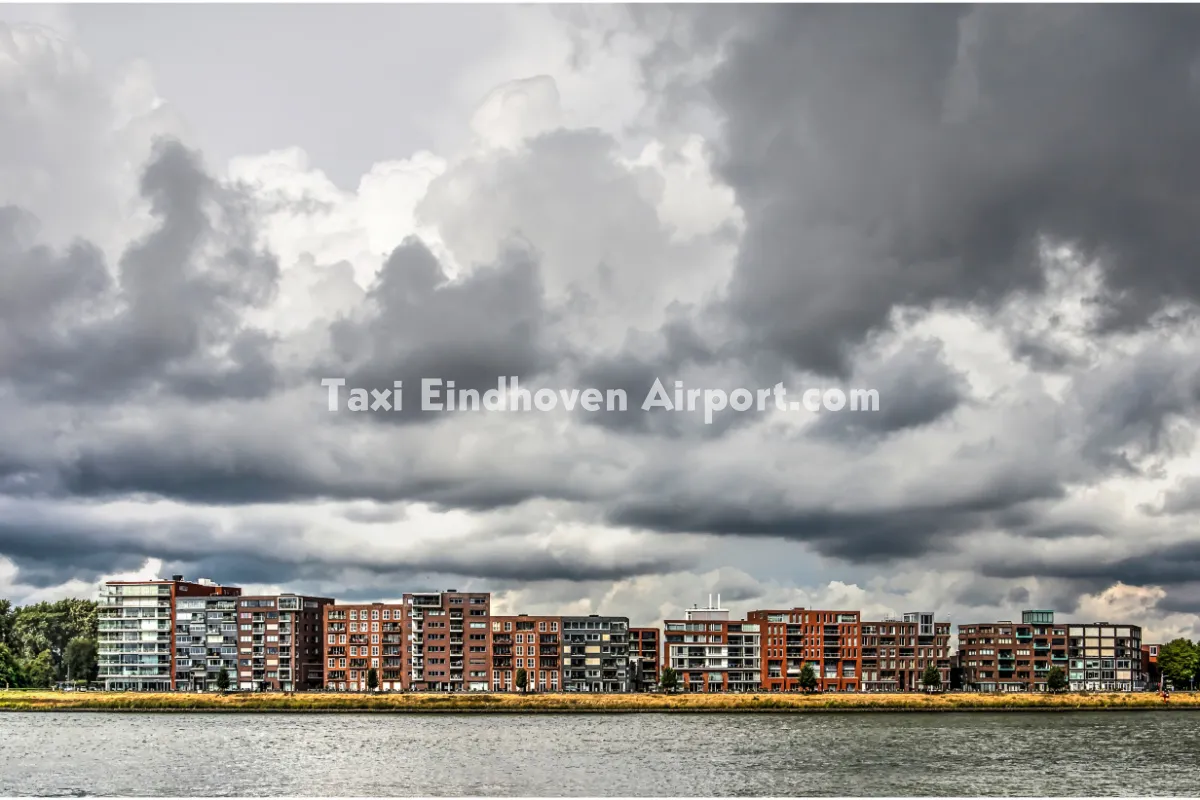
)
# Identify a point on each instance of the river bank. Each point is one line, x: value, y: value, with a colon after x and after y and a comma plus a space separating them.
x: 22, y: 700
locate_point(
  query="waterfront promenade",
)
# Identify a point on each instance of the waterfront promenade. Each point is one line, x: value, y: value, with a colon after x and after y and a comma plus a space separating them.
x: 423, y: 702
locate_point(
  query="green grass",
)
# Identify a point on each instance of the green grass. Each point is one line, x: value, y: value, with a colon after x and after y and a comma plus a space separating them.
x: 24, y: 700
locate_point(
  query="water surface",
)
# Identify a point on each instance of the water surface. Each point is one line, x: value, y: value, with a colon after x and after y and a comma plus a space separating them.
x: 861, y: 754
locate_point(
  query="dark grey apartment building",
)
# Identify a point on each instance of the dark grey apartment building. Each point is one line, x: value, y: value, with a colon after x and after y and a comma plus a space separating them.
x: 595, y: 654
x: 206, y: 641
x: 1105, y: 657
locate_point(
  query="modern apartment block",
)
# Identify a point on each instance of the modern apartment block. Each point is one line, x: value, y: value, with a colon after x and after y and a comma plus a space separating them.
x: 595, y: 654
x: 645, y: 658
x: 712, y: 653
x: 360, y: 637
x: 1009, y: 657
x: 533, y: 644
x: 206, y: 641
x: 895, y: 654
x: 136, y: 624
x: 828, y: 640
x: 449, y: 641
x: 1105, y: 657
x: 279, y: 642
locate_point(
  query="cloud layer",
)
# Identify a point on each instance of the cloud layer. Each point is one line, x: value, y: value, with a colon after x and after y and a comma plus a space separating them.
x: 985, y: 213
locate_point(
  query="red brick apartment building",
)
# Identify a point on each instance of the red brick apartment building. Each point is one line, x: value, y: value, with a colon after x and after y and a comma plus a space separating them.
x: 280, y: 642
x: 146, y: 642
x: 712, y: 653
x: 829, y: 640
x: 895, y: 653
x: 360, y: 637
x: 533, y: 644
x: 645, y: 656
x: 1150, y: 664
x: 449, y: 641
x: 1012, y: 657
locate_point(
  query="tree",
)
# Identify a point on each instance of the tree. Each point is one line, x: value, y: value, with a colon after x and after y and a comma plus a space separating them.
x: 931, y: 678
x: 808, y: 678
x: 80, y: 659
x: 1056, y: 680
x: 522, y: 680
x: 372, y: 679
x: 669, y: 680
x: 12, y: 674
x: 7, y: 619
x: 1178, y: 660
x: 32, y: 630
x: 39, y: 671
x: 223, y: 680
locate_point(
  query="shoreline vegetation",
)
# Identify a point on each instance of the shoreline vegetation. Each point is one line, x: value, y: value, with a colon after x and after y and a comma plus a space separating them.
x: 322, y: 702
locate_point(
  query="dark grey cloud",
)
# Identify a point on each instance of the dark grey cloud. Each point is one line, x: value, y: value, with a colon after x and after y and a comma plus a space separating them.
x: 901, y: 156
x: 1183, y: 499
x: 49, y: 548
x: 1043, y: 355
x: 1129, y: 408
x: 417, y: 323
x: 864, y: 537
x: 1018, y: 595
x: 240, y: 475
x: 172, y: 319
x: 916, y: 387
x: 1161, y: 565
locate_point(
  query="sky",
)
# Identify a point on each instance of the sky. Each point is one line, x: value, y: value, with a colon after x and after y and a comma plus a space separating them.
x: 986, y: 214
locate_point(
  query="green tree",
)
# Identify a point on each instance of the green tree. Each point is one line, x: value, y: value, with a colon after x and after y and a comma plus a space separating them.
x: 223, y: 680
x: 1178, y: 660
x: 39, y: 671
x: 808, y: 678
x: 80, y: 659
x: 12, y: 673
x: 669, y: 680
x: 522, y: 680
x: 50, y: 627
x: 1056, y: 680
x: 931, y: 678
x: 372, y: 679
x: 7, y: 618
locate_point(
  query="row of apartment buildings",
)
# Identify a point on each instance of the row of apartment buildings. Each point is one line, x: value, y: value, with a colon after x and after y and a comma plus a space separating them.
x: 164, y: 635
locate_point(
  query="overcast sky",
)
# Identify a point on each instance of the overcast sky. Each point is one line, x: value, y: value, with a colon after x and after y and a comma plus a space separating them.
x: 990, y: 215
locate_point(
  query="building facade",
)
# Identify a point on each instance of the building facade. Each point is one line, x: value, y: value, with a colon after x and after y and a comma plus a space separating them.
x: 1105, y: 657
x: 533, y: 644
x: 206, y: 641
x: 712, y: 653
x: 595, y: 654
x: 1150, y: 665
x: 645, y: 658
x: 896, y: 653
x: 1010, y: 657
x: 828, y: 640
x: 137, y: 631
x: 360, y: 637
x: 280, y: 646
x: 449, y: 641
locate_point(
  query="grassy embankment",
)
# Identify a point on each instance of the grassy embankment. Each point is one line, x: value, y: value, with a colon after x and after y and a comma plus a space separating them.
x: 24, y: 700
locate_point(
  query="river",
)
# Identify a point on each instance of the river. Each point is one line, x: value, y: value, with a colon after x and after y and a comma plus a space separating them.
x: 359, y: 755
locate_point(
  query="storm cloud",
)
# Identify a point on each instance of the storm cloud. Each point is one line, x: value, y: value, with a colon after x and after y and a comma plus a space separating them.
x: 985, y: 214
